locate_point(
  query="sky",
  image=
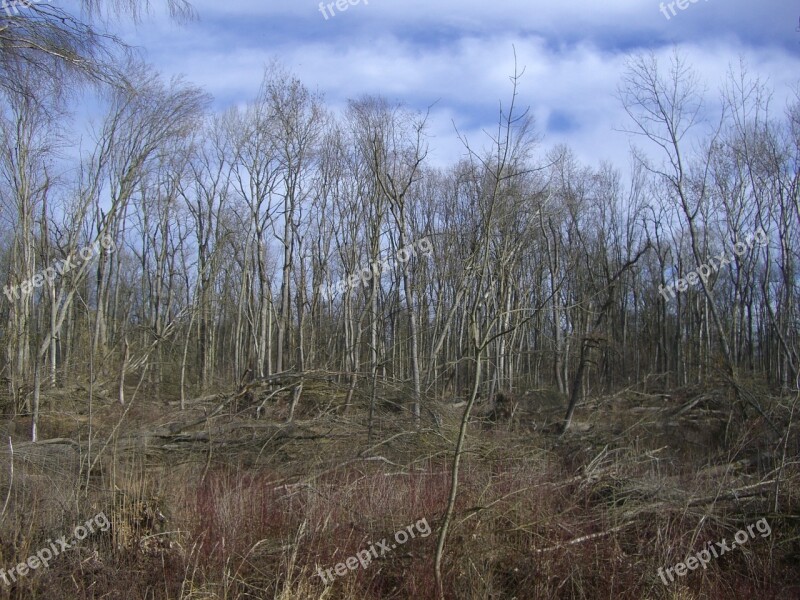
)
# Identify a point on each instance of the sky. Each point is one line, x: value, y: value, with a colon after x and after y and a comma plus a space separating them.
x: 456, y: 57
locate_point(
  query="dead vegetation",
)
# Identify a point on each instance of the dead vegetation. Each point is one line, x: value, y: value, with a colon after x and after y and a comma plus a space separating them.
x: 229, y: 500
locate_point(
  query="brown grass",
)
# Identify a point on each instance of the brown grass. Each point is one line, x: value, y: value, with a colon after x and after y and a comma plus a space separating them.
x: 255, y: 509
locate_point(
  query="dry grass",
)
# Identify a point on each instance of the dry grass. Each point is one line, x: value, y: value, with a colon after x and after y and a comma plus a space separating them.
x: 253, y: 508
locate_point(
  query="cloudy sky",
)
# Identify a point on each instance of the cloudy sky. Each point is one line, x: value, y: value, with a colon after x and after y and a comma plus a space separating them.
x: 456, y: 57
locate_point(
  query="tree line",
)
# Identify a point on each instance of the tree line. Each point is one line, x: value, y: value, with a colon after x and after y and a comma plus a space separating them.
x: 232, y: 230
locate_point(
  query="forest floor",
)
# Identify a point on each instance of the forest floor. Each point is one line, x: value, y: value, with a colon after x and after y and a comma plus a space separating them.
x: 223, y: 500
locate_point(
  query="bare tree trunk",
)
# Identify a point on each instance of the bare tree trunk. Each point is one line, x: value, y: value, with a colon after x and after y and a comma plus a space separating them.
x: 587, y: 343
x: 37, y: 386
x: 122, y: 369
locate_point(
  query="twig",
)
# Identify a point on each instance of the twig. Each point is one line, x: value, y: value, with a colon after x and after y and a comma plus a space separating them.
x: 783, y: 458
x: 585, y: 538
x: 471, y: 512
x: 11, y: 479
x: 689, y: 406
x: 747, y: 491
x: 386, y: 441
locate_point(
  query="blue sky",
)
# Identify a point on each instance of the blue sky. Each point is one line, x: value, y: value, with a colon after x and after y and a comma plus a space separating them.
x: 457, y: 56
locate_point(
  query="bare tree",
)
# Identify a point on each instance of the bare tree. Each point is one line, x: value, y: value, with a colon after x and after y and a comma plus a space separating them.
x: 494, y: 178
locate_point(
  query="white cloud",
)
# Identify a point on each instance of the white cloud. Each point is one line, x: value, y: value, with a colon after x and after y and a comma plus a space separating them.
x: 459, y: 56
